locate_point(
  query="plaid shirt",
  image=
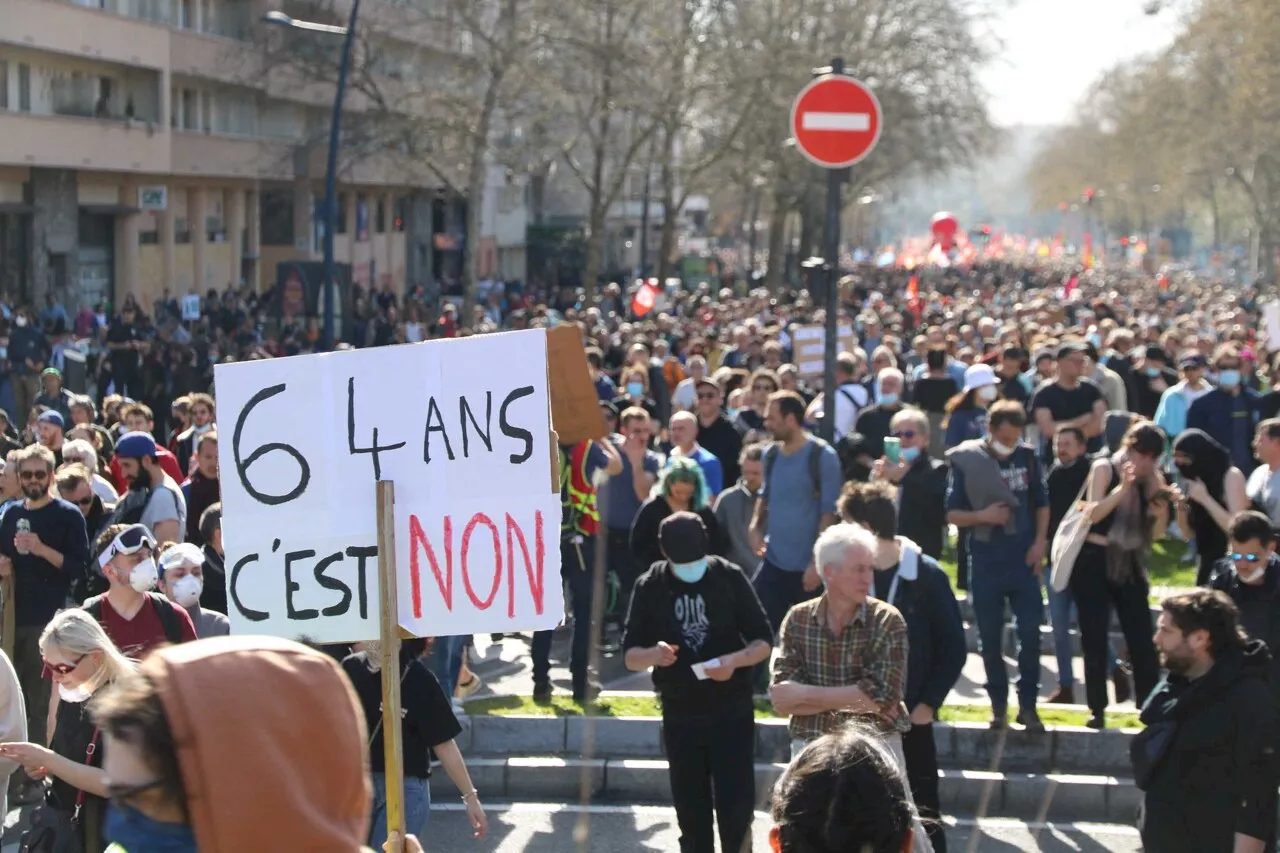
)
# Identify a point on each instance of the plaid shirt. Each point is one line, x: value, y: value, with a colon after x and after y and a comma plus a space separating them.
x: 871, y: 653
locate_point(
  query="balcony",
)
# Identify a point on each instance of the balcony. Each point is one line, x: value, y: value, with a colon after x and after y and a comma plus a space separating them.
x: 211, y: 57
x: 73, y: 142
x: 231, y: 157
x: 81, y: 31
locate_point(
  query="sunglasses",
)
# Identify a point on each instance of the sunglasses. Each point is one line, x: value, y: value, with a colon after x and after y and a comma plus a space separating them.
x: 62, y: 668
x: 84, y: 501
x: 1248, y: 558
x: 33, y: 475
x: 908, y: 434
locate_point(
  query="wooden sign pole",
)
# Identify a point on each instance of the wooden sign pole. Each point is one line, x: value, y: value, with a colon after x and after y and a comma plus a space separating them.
x: 389, y: 631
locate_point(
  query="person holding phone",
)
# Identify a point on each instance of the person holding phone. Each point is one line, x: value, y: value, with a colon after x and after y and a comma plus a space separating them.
x: 874, y: 423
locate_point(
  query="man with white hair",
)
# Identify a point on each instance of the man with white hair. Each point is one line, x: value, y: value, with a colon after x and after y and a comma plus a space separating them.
x: 873, y: 423
x: 844, y: 654
x: 684, y: 442
x: 81, y: 451
x: 686, y: 395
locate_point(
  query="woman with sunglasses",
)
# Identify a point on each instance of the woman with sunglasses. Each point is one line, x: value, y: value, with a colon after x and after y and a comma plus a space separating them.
x: 81, y: 660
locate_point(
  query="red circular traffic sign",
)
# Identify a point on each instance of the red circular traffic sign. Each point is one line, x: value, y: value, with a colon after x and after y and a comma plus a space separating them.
x: 835, y: 121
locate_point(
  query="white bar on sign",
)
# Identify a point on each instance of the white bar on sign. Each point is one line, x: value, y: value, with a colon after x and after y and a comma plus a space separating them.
x: 836, y: 121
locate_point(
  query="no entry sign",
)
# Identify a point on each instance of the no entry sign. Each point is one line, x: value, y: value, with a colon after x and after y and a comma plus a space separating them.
x: 835, y: 121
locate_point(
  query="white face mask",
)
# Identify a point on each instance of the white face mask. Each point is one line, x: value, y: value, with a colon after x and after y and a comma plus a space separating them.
x: 144, y: 575
x: 186, y: 590
x: 75, y: 695
x: 1002, y: 449
x: 988, y: 393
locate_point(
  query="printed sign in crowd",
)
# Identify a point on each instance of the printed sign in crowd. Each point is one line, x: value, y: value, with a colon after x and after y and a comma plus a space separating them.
x: 461, y: 426
x: 809, y: 344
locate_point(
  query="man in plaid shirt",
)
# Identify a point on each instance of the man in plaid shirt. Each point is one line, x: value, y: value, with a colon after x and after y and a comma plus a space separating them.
x: 844, y: 654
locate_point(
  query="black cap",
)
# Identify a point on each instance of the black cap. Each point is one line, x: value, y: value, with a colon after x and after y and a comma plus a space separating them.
x: 1193, y: 360
x: 609, y: 408
x: 1155, y: 352
x: 683, y: 537
x: 1072, y: 348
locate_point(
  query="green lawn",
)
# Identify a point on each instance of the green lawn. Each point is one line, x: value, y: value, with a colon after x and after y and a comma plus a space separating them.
x: 647, y: 706
x: 1165, y: 566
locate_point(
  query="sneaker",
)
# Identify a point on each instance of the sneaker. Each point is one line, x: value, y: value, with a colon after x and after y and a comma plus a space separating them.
x: 542, y: 693
x: 1097, y: 722
x: 1030, y: 720
x: 1122, y: 681
x: 999, y: 719
x: 1062, y: 696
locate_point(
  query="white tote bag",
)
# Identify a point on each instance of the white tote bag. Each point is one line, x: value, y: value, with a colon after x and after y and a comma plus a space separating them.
x: 1069, y: 539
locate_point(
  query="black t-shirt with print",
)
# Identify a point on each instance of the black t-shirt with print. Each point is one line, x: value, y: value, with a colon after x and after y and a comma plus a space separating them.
x: 427, y: 714
x: 718, y: 615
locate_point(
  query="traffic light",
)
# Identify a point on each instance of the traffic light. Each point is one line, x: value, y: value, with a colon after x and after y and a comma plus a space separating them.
x: 1124, y: 241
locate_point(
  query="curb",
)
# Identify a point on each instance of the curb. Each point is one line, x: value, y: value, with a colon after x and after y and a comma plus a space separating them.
x: 1053, y: 796
x: 966, y: 746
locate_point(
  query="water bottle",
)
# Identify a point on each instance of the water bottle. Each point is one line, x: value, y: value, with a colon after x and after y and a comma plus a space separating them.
x: 24, y: 526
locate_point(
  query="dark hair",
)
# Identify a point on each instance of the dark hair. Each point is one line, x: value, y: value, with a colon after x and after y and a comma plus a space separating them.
x: 210, y: 521
x: 595, y: 358
x: 789, y: 403
x: 132, y: 712
x: 1209, y: 610
x: 843, y: 792
x: 1074, y: 431
x: 1251, y: 526
x: 752, y: 453
x: 1270, y: 428
x: 1146, y: 438
x: 1006, y: 412
x: 936, y: 359
x: 871, y: 505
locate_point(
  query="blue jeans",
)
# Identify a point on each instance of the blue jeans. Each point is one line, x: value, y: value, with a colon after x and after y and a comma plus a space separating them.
x: 989, y: 587
x: 417, y: 808
x: 446, y: 662
x: 1061, y: 608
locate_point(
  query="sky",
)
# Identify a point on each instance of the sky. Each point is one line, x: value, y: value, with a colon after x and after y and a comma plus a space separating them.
x: 1053, y: 51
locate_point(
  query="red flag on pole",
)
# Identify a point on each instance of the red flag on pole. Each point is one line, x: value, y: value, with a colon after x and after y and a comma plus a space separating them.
x: 644, y: 300
x: 913, y: 298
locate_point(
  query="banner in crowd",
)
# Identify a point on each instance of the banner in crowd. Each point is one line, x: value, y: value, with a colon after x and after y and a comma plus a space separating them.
x: 809, y: 347
x: 463, y: 429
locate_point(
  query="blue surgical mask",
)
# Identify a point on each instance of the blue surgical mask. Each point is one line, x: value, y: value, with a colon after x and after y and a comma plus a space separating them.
x: 635, y: 389
x: 135, y: 832
x: 1095, y: 339
x: 888, y: 399
x: 909, y: 454
x: 1153, y: 372
x: 1228, y: 378
x: 690, y: 572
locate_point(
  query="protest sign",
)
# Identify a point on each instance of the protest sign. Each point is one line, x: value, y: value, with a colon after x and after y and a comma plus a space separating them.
x: 808, y: 347
x: 575, y: 406
x: 460, y: 426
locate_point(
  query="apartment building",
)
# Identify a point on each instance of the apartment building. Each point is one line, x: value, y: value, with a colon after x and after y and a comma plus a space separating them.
x: 145, y: 145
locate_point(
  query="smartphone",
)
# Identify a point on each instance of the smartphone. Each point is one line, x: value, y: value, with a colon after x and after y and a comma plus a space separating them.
x: 893, y: 450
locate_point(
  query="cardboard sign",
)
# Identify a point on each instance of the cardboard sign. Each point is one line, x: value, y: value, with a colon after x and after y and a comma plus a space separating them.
x: 808, y: 347
x: 575, y: 405
x: 460, y: 426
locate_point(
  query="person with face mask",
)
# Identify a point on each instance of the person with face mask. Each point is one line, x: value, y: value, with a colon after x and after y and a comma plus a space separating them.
x: 920, y: 482
x: 873, y: 422
x: 697, y: 622
x: 1231, y: 412
x: 182, y: 581
x: 81, y: 661
x: 966, y: 413
x: 134, y: 617
x: 1250, y: 575
x: 1213, y: 491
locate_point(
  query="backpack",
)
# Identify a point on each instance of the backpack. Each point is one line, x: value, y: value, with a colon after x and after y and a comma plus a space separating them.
x: 130, y: 508
x: 164, y: 609
x: 816, y: 447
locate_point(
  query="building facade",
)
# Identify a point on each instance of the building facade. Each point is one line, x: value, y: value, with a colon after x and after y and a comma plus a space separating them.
x: 149, y: 146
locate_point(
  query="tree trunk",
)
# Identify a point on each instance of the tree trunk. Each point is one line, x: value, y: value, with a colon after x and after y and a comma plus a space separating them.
x: 476, y: 174
x: 666, y: 242
x: 777, y: 251
x: 595, y: 251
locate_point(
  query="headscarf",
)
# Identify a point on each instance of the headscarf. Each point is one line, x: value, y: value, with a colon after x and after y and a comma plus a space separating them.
x: 1208, y: 462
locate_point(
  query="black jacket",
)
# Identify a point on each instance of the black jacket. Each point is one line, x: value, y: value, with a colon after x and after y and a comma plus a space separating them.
x: 1206, y: 760
x: 1259, y: 608
x: 922, y: 514
x: 935, y: 632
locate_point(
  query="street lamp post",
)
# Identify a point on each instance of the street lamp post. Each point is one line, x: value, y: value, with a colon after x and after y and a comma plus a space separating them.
x: 331, y: 169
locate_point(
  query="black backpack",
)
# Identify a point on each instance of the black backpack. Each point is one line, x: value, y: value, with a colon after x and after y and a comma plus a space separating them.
x: 164, y: 609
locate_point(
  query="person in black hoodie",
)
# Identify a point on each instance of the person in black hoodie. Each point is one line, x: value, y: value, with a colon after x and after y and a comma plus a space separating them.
x: 696, y: 620
x: 1250, y: 575
x: 1206, y: 759
x: 913, y: 582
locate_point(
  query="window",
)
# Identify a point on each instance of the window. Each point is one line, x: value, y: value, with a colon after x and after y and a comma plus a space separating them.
x: 277, y: 217
x: 402, y: 212
x: 190, y: 110
x: 4, y: 85
x: 148, y: 238
x: 380, y: 217
x: 24, y: 87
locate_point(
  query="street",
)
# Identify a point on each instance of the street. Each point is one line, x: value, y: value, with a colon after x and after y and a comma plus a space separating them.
x: 548, y: 828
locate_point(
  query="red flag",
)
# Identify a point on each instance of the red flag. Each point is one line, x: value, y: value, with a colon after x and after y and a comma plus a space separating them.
x: 913, y: 298
x: 644, y: 300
